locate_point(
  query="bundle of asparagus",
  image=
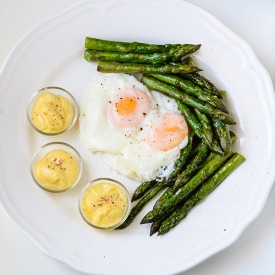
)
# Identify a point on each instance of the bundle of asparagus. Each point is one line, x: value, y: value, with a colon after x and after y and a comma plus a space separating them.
x: 208, y: 157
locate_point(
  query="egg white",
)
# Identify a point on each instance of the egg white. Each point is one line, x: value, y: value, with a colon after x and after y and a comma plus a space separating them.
x: 125, y: 150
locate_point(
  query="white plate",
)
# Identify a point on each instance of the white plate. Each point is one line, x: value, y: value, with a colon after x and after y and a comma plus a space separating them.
x: 52, y: 54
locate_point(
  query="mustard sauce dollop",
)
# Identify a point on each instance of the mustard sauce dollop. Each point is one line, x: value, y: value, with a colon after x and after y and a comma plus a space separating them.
x: 104, y: 204
x: 57, y: 170
x: 52, y: 113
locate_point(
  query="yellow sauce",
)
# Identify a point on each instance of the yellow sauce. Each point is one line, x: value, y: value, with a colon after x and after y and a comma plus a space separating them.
x: 104, y: 204
x: 57, y: 171
x: 52, y: 113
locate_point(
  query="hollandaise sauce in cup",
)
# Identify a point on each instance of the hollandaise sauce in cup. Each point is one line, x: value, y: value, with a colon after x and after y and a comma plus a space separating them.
x: 52, y: 110
x: 104, y: 203
x: 56, y: 167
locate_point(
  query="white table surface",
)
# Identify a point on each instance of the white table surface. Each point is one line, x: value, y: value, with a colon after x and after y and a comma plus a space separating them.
x: 254, y: 251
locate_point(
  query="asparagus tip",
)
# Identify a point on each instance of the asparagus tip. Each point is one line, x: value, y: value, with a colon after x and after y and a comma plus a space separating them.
x: 147, y: 218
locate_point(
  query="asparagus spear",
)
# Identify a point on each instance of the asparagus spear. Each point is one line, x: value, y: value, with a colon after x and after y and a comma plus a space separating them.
x: 188, y: 60
x: 179, y: 163
x: 143, y: 188
x: 139, y: 206
x: 206, y: 188
x: 204, y: 107
x: 160, y: 185
x: 192, y: 89
x: 206, y: 125
x: 210, y: 140
x: 193, y: 166
x: 156, y: 225
x: 222, y: 134
x: 135, y: 68
x: 182, y: 160
x: 174, y: 55
x: 222, y: 131
x: 182, y: 193
x: 127, y: 47
x: 191, y: 119
x: 204, y: 83
x: 212, y: 153
x: 201, y: 80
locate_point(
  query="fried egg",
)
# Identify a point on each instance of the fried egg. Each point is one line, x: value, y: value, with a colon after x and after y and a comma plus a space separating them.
x: 139, y: 132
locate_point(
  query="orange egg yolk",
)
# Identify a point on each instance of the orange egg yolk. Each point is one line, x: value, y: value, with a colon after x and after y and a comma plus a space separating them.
x: 167, y: 131
x: 128, y: 108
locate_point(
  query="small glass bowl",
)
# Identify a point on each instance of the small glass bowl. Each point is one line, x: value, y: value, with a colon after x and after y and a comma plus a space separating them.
x: 57, y: 91
x: 44, y: 150
x: 121, y: 187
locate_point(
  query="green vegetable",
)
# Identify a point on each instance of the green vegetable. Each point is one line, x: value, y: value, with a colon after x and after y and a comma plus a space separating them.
x: 179, y: 163
x: 203, y: 82
x: 142, y: 189
x: 139, y: 206
x: 192, y: 89
x: 182, y: 160
x: 190, y: 118
x: 128, y: 47
x: 200, y: 159
x: 222, y: 134
x: 174, y: 55
x: 193, y: 166
x: 188, y: 60
x: 199, y: 169
x: 206, y: 126
x: 156, y: 225
x: 206, y: 188
x: 208, y: 132
x: 135, y: 68
x: 160, y: 185
x: 183, y: 192
x: 173, y: 92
